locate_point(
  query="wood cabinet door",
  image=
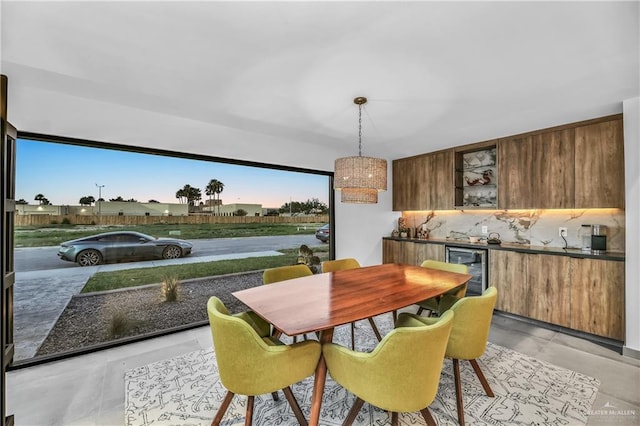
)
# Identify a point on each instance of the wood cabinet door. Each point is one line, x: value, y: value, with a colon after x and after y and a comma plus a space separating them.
x: 416, y: 253
x: 391, y: 251
x: 553, y: 167
x: 439, y: 181
x: 508, y: 273
x: 549, y: 288
x: 409, y: 189
x: 515, y: 188
x: 599, y: 158
x: 597, y: 297
x: 394, y: 251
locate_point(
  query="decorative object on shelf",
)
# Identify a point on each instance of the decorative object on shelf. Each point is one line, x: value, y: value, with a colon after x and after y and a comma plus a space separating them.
x: 395, y: 233
x: 402, y: 227
x: 494, y: 238
x: 359, y: 179
x: 483, y: 179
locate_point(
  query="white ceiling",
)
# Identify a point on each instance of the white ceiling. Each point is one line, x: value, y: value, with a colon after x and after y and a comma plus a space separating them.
x: 274, y: 81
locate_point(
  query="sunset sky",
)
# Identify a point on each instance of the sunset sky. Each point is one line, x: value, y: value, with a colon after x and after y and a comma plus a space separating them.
x: 65, y: 173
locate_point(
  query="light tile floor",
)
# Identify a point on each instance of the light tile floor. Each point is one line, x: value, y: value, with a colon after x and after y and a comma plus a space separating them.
x: 89, y: 389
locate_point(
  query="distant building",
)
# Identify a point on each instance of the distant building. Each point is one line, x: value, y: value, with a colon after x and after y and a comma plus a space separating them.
x: 107, y: 208
x: 230, y: 209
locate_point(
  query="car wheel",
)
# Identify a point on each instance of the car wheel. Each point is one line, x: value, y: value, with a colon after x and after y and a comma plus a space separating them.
x: 172, y: 252
x: 89, y: 258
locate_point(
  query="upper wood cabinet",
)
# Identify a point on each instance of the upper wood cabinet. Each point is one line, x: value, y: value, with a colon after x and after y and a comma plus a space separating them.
x: 572, y: 166
x: 552, y: 169
x: 578, y: 165
x: 599, y: 159
x: 423, y: 182
x: 516, y: 179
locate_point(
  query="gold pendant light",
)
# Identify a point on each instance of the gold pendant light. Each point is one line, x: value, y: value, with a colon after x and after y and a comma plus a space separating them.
x: 359, y: 179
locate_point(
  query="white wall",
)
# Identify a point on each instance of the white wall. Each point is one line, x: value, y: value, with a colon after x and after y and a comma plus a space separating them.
x: 631, y: 111
x: 359, y: 228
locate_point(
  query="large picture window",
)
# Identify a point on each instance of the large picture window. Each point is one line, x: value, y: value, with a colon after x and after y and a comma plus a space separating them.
x: 116, y: 244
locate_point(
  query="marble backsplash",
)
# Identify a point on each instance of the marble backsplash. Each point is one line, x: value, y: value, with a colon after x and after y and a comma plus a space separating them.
x: 527, y: 227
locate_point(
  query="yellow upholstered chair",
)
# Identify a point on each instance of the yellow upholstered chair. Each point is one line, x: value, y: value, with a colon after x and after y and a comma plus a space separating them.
x: 250, y: 364
x: 400, y: 375
x: 341, y: 265
x: 433, y: 304
x: 282, y: 273
x: 468, y: 338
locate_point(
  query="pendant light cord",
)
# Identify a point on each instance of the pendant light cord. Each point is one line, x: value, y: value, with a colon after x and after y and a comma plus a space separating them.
x: 360, y: 130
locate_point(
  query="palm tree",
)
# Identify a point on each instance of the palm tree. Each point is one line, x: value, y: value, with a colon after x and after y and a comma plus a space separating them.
x: 209, y: 190
x: 218, y: 189
x: 193, y: 195
x: 183, y: 194
x: 214, y: 187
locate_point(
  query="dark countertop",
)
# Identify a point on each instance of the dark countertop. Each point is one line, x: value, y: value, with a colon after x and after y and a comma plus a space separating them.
x: 523, y: 248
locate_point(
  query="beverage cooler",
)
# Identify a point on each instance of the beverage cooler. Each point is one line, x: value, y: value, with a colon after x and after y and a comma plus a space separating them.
x: 476, y: 260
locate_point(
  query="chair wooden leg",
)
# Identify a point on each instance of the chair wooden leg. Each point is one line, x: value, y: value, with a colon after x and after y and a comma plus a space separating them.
x: 394, y: 418
x: 275, y: 396
x: 248, y: 418
x: 483, y: 380
x: 375, y: 329
x: 458, y: 382
x: 294, y: 406
x: 428, y: 417
x: 353, y: 337
x: 353, y: 412
x: 223, y: 408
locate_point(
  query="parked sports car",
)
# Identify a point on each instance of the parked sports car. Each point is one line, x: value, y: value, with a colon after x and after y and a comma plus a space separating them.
x: 122, y: 246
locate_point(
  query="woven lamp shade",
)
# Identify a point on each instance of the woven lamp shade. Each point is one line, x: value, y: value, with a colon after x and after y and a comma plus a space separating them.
x: 359, y: 195
x: 360, y: 173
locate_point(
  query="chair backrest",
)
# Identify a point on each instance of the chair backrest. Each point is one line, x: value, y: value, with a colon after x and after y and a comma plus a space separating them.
x: 444, y: 266
x: 237, y: 347
x: 403, y: 371
x: 471, y: 325
x: 340, y: 264
x: 458, y: 268
x: 251, y: 365
x: 283, y: 273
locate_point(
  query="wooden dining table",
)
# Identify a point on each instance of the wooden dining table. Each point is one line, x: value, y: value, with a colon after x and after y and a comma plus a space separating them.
x: 321, y: 302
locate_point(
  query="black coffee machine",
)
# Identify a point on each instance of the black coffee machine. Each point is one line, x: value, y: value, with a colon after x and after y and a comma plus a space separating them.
x: 598, y: 238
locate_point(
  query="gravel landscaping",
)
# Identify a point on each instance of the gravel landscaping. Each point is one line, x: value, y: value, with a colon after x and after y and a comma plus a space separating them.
x: 91, y: 319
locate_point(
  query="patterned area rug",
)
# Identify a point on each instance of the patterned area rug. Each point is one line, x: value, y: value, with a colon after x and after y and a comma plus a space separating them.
x: 186, y: 390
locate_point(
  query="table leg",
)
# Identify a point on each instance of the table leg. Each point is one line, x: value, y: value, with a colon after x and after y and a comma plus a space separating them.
x: 326, y: 336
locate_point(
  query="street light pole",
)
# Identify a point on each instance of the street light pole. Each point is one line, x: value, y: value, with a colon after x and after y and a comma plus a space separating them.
x: 99, y: 198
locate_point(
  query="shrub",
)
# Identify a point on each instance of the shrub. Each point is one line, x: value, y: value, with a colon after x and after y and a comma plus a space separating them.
x: 169, y: 288
x: 53, y: 222
x: 120, y: 324
x: 66, y: 221
x: 306, y: 256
